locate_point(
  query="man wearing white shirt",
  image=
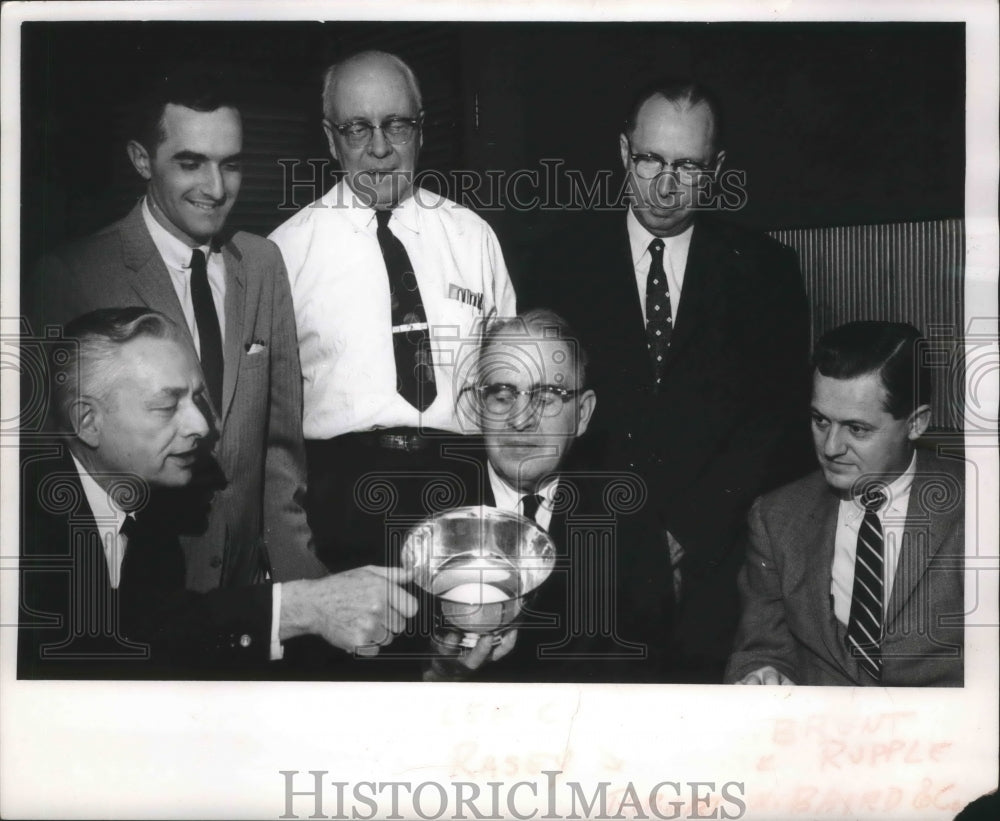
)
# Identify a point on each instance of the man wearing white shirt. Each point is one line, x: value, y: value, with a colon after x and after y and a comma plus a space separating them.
x: 854, y: 573
x: 102, y: 573
x: 389, y: 284
x: 172, y: 253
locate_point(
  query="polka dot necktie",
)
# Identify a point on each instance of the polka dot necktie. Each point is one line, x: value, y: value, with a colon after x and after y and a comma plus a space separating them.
x: 659, y: 321
x: 410, y: 335
x: 864, y: 628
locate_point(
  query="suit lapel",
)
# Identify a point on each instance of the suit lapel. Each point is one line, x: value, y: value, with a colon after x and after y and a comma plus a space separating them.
x: 923, y: 536
x: 702, y: 292
x: 149, y: 276
x: 236, y: 322
x: 820, y: 534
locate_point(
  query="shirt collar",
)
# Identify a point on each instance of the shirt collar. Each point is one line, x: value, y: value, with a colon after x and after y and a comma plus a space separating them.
x: 897, y: 495
x: 175, y: 253
x: 362, y: 217
x: 105, y: 511
x: 507, y: 497
x: 639, y: 238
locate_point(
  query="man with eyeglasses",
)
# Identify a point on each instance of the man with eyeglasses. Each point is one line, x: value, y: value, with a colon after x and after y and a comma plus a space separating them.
x: 389, y: 282
x: 604, y: 613
x: 700, y: 335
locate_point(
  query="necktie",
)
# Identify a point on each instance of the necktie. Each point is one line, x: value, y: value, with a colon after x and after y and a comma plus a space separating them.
x: 410, y: 338
x: 530, y: 505
x: 130, y: 530
x: 207, y: 321
x: 659, y: 321
x: 864, y: 628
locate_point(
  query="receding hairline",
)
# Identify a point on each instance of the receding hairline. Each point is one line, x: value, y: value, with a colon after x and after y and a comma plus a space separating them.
x: 681, y: 104
x: 333, y: 73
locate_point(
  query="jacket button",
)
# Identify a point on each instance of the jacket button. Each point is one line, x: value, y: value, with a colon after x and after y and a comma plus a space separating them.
x: 245, y: 640
x: 216, y: 561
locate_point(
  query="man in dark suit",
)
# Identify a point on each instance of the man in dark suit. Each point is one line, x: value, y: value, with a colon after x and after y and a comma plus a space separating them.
x: 102, y: 576
x: 699, y: 334
x: 854, y: 573
x: 230, y: 292
x: 604, y: 614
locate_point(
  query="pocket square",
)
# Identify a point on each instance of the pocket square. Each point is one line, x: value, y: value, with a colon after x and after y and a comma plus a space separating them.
x: 255, y: 347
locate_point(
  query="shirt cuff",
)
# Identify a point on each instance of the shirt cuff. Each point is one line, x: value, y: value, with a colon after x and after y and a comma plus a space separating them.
x: 277, y: 650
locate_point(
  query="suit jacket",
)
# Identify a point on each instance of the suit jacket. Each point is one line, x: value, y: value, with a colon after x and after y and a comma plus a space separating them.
x: 73, y: 624
x: 730, y: 419
x: 258, y: 517
x: 603, y: 615
x: 788, y: 619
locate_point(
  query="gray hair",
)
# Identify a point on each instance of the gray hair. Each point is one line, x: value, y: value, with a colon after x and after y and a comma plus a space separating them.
x: 331, y: 75
x: 543, y: 325
x: 87, y: 362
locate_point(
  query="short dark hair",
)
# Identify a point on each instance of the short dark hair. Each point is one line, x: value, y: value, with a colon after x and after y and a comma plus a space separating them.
x: 541, y: 324
x: 197, y: 86
x: 678, y: 90
x: 84, y: 362
x: 890, y: 349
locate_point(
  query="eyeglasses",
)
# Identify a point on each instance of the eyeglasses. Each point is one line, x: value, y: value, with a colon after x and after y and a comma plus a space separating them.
x: 500, y: 399
x: 397, y: 130
x: 650, y: 166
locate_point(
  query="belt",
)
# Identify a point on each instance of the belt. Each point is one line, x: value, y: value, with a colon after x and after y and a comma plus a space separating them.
x: 409, y: 440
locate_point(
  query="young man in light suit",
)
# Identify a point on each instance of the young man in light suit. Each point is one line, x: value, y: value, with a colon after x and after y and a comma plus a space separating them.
x: 229, y: 290
x: 854, y: 573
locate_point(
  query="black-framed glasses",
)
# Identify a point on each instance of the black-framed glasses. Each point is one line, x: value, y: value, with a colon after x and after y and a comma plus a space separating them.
x: 397, y: 130
x: 500, y: 399
x: 650, y: 166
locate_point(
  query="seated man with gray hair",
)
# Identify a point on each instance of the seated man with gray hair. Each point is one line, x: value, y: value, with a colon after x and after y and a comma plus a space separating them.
x: 604, y: 613
x: 101, y: 569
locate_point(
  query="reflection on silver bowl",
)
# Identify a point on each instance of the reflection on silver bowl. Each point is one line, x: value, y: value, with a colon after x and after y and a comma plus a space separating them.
x: 480, y: 563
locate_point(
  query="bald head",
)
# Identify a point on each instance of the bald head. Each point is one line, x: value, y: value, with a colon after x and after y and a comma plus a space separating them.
x: 362, y: 73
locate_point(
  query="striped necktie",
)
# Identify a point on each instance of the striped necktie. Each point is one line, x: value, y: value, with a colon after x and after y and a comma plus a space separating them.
x: 864, y: 629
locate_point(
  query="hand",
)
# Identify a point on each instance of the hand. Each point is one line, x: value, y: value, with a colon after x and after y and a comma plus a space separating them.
x: 455, y: 664
x: 766, y: 675
x: 358, y: 610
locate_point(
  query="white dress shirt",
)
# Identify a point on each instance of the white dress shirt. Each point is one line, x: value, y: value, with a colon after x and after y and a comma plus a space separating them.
x: 342, y: 310
x: 849, y: 516
x: 109, y: 519
x: 176, y: 255
x: 675, y: 255
x: 507, y: 498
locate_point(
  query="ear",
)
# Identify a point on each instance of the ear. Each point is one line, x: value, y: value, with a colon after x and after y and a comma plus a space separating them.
x: 918, y: 422
x: 87, y: 419
x: 588, y: 401
x: 626, y: 152
x: 140, y: 159
x: 330, y: 132
x: 420, y: 131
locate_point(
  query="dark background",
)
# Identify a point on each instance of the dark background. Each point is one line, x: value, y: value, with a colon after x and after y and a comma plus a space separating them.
x: 834, y: 124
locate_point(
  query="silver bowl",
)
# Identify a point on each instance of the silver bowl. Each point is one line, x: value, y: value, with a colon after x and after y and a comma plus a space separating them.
x: 480, y: 564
